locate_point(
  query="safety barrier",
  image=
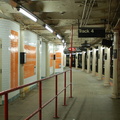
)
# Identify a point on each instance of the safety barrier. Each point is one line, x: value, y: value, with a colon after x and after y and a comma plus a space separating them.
x: 39, y: 110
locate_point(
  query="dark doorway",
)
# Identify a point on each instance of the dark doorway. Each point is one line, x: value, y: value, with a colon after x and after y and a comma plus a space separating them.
x: 86, y: 60
x: 111, y: 62
x: 73, y: 60
x: 79, y: 60
x: 97, y: 61
x: 67, y: 60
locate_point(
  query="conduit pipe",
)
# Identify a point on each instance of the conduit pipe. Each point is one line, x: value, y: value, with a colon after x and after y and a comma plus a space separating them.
x: 89, y: 12
x: 115, y: 12
x: 83, y: 13
x: 109, y: 12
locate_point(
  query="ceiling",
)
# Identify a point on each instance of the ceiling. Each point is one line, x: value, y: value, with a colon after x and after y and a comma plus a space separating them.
x: 64, y: 16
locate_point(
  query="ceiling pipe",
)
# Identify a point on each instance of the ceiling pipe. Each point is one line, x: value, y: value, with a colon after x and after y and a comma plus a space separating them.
x: 109, y: 11
x: 83, y: 14
x: 89, y: 13
x: 88, y: 10
x: 108, y: 26
x: 115, y: 13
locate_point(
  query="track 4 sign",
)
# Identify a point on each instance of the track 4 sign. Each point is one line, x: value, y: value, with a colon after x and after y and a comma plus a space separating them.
x: 91, y: 32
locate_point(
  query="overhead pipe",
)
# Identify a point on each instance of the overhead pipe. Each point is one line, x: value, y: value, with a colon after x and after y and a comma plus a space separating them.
x: 115, y: 12
x: 90, y: 12
x: 83, y: 14
x: 109, y: 12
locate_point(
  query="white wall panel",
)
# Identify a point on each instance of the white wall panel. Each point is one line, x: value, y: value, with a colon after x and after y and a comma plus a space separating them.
x: 51, y: 51
x: 59, y: 49
x: 30, y: 39
x: 5, y: 31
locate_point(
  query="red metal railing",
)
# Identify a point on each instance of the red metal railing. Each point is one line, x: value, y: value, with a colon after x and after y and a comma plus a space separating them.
x: 39, y: 110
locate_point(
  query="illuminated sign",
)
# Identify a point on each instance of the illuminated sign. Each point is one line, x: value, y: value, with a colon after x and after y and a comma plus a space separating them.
x: 72, y: 49
x: 91, y: 32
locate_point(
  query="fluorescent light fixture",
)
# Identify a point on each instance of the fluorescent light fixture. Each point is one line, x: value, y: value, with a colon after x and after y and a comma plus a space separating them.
x: 48, y: 28
x: 27, y: 13
x: 63, y: 41
x: 58, y: 36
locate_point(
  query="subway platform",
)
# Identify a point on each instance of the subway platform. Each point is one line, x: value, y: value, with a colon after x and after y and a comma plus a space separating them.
x: 90, y: 101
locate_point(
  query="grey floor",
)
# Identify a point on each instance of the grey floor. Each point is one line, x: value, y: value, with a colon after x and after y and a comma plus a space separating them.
x: 91, y: 101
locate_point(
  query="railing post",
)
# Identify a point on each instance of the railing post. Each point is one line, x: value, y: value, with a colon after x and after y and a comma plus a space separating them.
x: 40, y: 100
x: 6, y: 106
x: 65, y: 89
x: 70, y: 83
x: 56, y: 99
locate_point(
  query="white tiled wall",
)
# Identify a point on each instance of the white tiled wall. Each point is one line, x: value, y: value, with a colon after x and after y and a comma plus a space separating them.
x: 59, y: 48
x: 51, y: 50
x: 5, y: 30
x: 30, y: 38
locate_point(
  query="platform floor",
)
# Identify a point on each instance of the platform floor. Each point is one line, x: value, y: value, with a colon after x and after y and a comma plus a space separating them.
x: 91, y: 101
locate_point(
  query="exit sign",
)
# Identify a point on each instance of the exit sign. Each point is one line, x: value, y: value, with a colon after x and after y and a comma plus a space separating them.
x: 91, y: 32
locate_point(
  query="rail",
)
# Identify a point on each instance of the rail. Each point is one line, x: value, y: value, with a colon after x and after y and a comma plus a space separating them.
x: 39, y: 110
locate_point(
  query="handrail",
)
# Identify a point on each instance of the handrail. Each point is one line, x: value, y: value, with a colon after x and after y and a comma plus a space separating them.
x: 22, y: 86
x: 6, y: 92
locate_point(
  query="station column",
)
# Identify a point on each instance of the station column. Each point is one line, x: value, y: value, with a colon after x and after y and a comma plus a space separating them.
x: 116, y: 65
x: 39, y: 47
x: 88, y: 61
x: 22, y: 94
x: 100, y: 57
x: 47, y: 59
x: 76, y: 61
x: 83, y: 61
x: 107, y: 67
x: 94, y: 62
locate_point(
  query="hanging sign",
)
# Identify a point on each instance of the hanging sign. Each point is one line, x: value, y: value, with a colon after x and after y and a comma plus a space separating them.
x: 72, y: 49
x: 91, y: 32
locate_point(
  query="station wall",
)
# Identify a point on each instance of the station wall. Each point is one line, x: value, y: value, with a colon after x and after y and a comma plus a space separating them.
x: 12, y: 39
x: 30, y: 48
x: 10, y: 44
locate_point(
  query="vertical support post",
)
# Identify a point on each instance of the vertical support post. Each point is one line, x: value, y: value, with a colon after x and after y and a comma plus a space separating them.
x: 116, y: 73
x: 94, y: 62
x: 70, y: 83
x: 22, y: 92
x: 83, y: 61
x: 88, y: 60
x: 56, y: 99
x: 100, y: 66
x: 40, y: 100
x: 107, y: 67
x: 6, y: 106
x: 65, y: 89
x: 71, y: 65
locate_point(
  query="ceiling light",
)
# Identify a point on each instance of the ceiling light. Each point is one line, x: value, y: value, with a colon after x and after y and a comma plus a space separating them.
x: 48, y: 28
x: 27, y: 13
x: 63, y: 41
x: 58, y: 36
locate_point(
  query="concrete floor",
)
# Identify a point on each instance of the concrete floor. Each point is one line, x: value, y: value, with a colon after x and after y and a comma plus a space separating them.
x: 91, y: 101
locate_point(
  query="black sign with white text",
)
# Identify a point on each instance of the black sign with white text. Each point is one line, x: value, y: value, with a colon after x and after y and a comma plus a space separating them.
x: 91, y: 32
